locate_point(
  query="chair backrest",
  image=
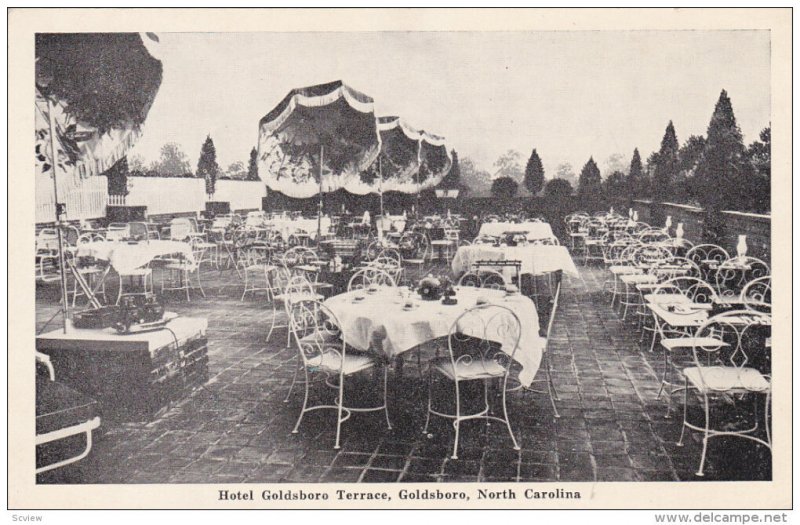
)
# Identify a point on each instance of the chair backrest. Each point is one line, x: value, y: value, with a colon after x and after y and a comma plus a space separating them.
x: 651, y: 254
x: 117, y: 231
x: 486, y: 333
x: 138, y: 230
x: 180, y: 228
x: 316, y: 332
x: 731, y: 275
x: 367, y: 277
x: 485, y: 278
x: 733, y: 339
x: 485, y: 239
x: 702, y: 254
x: 694, y: 289
x: 757, y: 295
x: 653, y: 235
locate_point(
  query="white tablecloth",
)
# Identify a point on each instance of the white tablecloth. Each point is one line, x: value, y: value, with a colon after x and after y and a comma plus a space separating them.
x: 380, y: 322
x: 535, y: 230
x: 125, y: 257
x: 536, y: 259
x: 287, y: 227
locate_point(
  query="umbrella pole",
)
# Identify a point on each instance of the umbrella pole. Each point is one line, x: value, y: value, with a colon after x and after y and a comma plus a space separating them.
x: 62, y: 268
x: 380, y: 192
x: 319, y: 206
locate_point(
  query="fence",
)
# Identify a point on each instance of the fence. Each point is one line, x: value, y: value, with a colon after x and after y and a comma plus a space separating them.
x: 84, y: 198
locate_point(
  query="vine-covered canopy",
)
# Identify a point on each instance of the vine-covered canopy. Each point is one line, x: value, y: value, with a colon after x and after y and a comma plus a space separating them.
x: 101, y: 86
x: 332, y: 118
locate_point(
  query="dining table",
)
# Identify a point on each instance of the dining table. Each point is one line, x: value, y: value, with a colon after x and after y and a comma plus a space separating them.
x: 533, y: 230
x: 536, y: 259
x: 126, y: 256
x: 382, y: 321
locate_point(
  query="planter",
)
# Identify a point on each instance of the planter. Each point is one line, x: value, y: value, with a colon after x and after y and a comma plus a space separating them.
x: 125, y: 213
x: 214, y: 208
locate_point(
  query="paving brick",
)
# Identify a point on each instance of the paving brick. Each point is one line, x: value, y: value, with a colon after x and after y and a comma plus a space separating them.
x: 237, y: 427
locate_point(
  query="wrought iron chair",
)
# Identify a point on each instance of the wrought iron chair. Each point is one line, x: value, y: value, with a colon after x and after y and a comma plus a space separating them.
x: 723, y: 350
x: 475, y: 356
x: 322, y: 349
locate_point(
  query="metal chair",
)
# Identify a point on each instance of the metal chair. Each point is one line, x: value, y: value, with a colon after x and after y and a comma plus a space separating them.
x: 723, y: 350
x: 548, y: 379
x: 475, y: 356
x: 322, y: 349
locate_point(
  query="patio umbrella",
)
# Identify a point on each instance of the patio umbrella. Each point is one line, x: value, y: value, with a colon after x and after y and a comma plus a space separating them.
x: 93, y: 93
x: 434, y: 162
x: 318, y: 139
x: 399, y: 157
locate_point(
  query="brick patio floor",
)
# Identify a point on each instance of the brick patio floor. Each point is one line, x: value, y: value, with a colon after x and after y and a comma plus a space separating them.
x: 237, y: 427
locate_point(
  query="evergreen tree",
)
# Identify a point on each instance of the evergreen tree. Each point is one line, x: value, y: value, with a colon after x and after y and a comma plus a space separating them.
x: 590, y: 184
x: 252, y: 165
x: 636, y: 180
x: 207, y: 166
x: 453, y: 178
x: 117, y: 177
x: 504, y: 188
x: 615, y: 185
x: 558, y: 188
x: 666, y: 166
x: 534, y: 174
x: 722, y: 169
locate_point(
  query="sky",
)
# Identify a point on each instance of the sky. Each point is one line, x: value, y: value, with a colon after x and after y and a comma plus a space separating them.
x: 569, y: 94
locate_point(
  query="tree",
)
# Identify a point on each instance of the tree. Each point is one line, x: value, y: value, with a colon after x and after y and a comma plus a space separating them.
x: 615, y: 162
x: 681, y: 188
x: 453, y: 178
x: 504, y: 188
x: 476, y: 181
x: 507, y: 165
x: 235, y: 171
x: 721, y: 169
x: 136, y: 163
x: 117, y: 178
x: 615, y: 185
x: 590, y: 186
x: 207, y: 167
x: 172, y: 162
x: 566, y: 172
x: 666, y: 165
x: 636, y: 178
x: 558, y: 188
x: 534, y: 174
x: 760, y: 157
x: 252, y: 165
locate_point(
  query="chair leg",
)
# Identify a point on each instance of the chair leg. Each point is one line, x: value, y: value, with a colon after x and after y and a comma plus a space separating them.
x: 200, y: 283
x: 685, y: 403
x: 430, y: 388
x: 305, y: 403
x: 551, y: 388
x: 457, y: 422
x: 339, y: 411
x: 508, y: 423
x: 294, y: 378
x: 766, y: 420
x: 705, y: 438
x: 385, y: 395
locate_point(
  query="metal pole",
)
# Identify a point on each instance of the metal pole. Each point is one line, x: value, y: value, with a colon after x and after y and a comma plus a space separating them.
x: 319, y: 206
x: 62, y: 265
x: 380, y: 173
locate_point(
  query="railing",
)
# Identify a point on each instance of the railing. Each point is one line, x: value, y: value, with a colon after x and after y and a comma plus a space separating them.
x: 117, y: 200
x: 84, y: 198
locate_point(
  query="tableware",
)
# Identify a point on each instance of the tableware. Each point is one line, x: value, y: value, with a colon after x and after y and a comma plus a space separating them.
x: 684, y: 309
x: 358, y: 298
x: 511, y: 289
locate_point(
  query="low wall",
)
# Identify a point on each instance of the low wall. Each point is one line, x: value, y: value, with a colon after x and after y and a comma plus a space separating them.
x: 757, y: 227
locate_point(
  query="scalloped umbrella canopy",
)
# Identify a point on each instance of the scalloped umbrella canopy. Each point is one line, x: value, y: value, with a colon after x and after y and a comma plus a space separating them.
x: 399, y: 158
x: 333, y: 116
x: 102, y: 86
x: 435, y: 160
